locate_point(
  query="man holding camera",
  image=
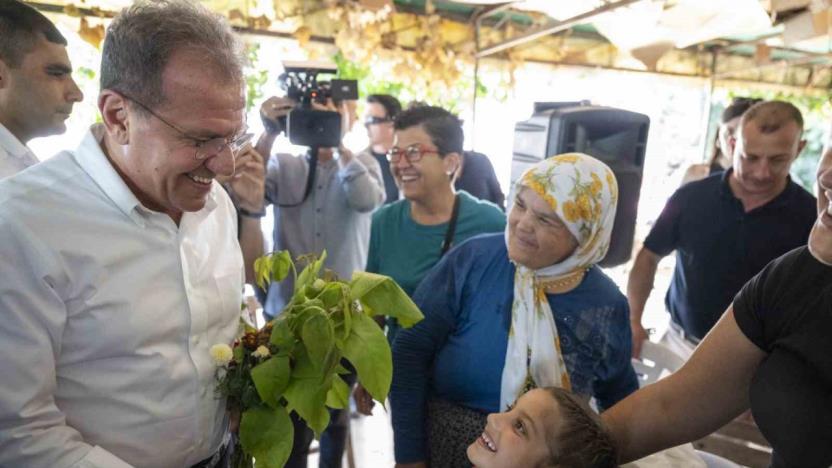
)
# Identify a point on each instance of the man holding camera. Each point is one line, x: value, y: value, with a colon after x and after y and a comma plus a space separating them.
x: 327, y: 210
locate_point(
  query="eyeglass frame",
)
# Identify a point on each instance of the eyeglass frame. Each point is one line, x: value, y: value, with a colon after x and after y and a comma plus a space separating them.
x: 235, y: 145
x: 373, y: 120
x: 394, y: 153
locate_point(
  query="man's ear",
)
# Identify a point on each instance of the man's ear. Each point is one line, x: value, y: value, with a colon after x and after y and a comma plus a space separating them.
x: 800, y: 147
x: 732, y: 144
x: 113, y: 108
x: 4, y: 75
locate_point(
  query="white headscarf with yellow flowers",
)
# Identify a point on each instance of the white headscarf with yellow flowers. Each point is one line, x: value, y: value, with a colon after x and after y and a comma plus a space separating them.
x: 584, y: 194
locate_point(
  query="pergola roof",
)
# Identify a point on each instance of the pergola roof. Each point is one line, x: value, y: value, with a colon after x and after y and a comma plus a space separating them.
x: 770, y: 41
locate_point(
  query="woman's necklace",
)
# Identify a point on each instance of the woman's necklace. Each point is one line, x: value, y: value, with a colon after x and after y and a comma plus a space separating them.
x: 561, y: 284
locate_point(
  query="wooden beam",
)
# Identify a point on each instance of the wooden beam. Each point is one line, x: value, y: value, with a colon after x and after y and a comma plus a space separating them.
x: 553, y: 27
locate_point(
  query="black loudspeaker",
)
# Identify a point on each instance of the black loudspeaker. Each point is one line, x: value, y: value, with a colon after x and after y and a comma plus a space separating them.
x: 616, y: 137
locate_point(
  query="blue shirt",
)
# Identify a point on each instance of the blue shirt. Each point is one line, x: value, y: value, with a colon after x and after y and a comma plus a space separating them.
x: 458, y: 351
x: 719, y: 247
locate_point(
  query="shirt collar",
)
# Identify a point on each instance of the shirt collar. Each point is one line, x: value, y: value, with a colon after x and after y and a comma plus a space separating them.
x: 94, y: 162
x: 12, y: 145
x: 782, y: 197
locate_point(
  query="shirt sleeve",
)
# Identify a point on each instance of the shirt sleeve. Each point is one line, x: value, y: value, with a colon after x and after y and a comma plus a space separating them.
x: 616, y: 376
x: 362, y: 182
x: 664, y: 235
x: 414, y: 350
x: 756, y: 306
x: 34, y: 430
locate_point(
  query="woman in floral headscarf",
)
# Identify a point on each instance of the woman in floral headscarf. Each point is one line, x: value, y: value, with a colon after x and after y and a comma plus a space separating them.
x: 507, y: 313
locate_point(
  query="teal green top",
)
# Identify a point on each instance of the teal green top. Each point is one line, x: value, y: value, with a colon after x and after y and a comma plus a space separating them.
x: 406, y: 250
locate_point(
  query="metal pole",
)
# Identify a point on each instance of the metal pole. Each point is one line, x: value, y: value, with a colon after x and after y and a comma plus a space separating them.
x: 711, y: 85
x: 553, y: 27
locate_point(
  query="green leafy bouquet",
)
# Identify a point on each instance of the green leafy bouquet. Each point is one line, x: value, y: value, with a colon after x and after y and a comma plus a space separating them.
x: 294, y: 362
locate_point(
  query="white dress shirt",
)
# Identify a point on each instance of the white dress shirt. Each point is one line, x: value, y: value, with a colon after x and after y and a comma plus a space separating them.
x: 14, y: 155
x: 107, y: 314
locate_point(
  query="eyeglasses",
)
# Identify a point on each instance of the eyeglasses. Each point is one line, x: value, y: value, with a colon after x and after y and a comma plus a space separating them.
x: 376, y: 120
x: 412, y: 153
x: 204, y: 148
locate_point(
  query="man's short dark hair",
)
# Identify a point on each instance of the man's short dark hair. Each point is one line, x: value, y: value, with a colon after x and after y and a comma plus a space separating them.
x: 20, y: 28
x: 582, y: 441
x: 392, y: 106
x: 142, y: 38
x: 444, y: 128
x: 770, y: 116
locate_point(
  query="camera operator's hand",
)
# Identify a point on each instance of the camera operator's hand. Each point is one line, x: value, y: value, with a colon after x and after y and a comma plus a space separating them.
x: 345, y: 155
x: 273, y: 112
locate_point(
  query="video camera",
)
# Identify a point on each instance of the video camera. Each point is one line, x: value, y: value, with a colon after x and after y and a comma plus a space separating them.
x: 306, y: 126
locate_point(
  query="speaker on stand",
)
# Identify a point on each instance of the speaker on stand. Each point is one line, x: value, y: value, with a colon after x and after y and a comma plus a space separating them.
x: 615, y: 136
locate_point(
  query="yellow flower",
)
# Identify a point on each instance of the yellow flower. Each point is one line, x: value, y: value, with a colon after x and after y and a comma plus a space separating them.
x: 261, y: 352
x: 552, y: 201
x: 584, y: 207
x: 571, y: 211
x: 566, y: 158
x: 612, y: 184
x: 221, y: 354
x: 596, y: 185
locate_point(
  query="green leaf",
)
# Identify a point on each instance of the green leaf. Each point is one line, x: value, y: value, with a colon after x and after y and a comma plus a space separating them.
x: 267, y: 435
x: 281, y: 262
x: 368, y: 351
x: 332, y: 295
x: 282, y: 335
x: 384, y: 297
x: 318, y: 337
x: 339, y: 395
x: 310, y: 273
x: 271, y: 378
x: 239, y: 353
x: 306, y: 393
x: 263, y: 272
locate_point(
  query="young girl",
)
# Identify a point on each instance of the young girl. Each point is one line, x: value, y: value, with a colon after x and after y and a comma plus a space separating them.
x: 548, y: 427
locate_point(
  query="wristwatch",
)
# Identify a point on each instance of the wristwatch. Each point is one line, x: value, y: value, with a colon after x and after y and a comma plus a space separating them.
x: 252, y: 214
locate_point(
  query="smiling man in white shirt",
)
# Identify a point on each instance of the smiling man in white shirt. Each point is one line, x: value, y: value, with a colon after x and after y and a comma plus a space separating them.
x: 37, y: 91
x: 119, y: 260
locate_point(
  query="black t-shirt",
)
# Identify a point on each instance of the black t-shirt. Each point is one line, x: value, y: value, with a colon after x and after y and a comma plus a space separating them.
x: 479, y: 179
x: 786, y: 311
x: 719, y: 246
x: 390, y: 189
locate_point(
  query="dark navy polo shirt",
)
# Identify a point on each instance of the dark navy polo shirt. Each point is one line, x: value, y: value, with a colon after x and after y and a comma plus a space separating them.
x: 719, y: 247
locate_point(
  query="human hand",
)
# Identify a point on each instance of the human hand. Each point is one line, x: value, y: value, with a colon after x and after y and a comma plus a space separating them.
x: 640, y: 335
x: 273, y: 113
x: 363, y: 400
x: 343, y: 109
x: 249, y: 180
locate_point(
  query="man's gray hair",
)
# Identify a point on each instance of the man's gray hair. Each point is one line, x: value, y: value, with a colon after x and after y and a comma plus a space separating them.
x: 142, y: 38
